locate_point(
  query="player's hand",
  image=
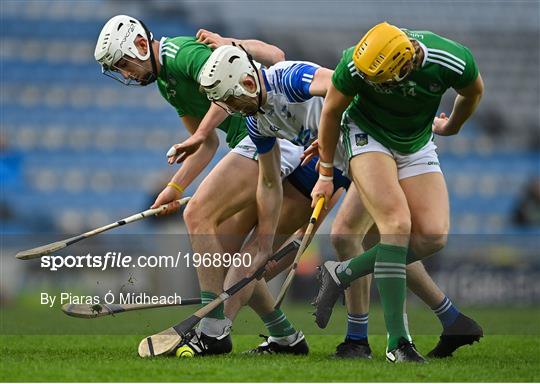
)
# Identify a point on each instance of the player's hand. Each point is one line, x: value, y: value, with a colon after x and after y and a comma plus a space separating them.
x: 310, y: 152
x: 212, y: 39
x: 261, y: 258
x: 180, y: 152
x: 169, y: 195
x: 441, y: 127
x: 322, y: 188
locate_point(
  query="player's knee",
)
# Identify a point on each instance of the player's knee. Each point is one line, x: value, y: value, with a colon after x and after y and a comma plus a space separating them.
x: 441, y: 239
x: 437, y: 242
x: 398, y: 223
x: 345, y: 240
x: 346, y: 245
x: 427, y: 244
x: 194, y: 216
x: 427, y: 241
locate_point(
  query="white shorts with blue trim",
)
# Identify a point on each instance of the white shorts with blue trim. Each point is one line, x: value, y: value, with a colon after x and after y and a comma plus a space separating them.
x: 290, y: 153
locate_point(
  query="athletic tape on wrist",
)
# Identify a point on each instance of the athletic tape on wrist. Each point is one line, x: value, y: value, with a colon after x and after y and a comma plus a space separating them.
x: 325, y: 178
x: 326, y: 165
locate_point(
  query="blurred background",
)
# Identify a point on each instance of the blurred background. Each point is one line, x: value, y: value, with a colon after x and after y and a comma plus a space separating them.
x: 79, y: 150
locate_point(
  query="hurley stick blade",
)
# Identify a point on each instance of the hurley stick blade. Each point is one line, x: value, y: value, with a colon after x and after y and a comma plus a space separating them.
x: 165, y: 341
x: 160, y: 343
x: 87, y: 311
x: 41, y: 251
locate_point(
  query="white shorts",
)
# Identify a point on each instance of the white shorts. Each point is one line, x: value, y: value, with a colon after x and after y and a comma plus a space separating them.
x: 290, y: 153
x: 425, y: 160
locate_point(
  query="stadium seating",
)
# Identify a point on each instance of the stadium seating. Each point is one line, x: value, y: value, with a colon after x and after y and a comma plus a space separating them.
x: 91, y: 150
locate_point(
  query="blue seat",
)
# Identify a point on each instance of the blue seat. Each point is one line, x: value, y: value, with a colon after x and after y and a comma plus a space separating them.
x: 22, y: 28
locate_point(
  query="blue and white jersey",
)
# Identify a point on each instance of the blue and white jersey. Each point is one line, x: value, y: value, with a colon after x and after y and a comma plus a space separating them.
x: 290, y: 112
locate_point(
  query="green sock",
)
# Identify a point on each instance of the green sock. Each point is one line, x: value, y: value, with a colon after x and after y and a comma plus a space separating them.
x: 388, y: 262
x: 358, y: 266
x: 390, y: 276
x: 216, y: 313
x: 277, y: 324
x: 362, y: 265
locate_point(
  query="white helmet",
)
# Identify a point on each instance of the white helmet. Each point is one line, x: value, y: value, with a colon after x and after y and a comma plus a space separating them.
x: 223, y: 72
x: 117, y: 38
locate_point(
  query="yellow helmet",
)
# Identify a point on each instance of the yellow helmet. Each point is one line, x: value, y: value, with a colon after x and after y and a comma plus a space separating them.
x: 382, y: 53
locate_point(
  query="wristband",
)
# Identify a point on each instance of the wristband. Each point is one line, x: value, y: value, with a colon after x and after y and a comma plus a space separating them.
x: 326, y: 165
x: 325, y: 178
x: 175, y: 186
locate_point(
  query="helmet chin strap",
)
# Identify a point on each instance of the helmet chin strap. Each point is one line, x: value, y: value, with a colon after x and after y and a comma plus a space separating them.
x: 152, y: 76
x: 259, y: 84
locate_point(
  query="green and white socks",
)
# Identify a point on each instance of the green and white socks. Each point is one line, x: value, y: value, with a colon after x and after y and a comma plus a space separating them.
x: 390, y: 277
x: 388, y: 263
x: 215, y: 324
x: 206, y: 298
x: 277, y: 324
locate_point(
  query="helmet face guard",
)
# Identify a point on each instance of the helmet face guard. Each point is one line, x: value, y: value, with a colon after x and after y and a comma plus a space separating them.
x: 222, y: 101
x: 222, y: 76
x: 115, y: 72
x: 248, y: 107
x: 117, y: 42
x: 396, y: 78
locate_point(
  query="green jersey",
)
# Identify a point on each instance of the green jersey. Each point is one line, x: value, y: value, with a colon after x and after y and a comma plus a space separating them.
x: 182, y: 58
x: 400, y: 118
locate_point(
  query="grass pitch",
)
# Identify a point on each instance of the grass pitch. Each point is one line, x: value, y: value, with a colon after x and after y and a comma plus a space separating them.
x: 113, y: 356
